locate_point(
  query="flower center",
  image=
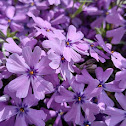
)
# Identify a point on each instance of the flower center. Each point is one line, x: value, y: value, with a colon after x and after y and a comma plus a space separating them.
x: 107, y: 13
x: 31, y: 72
x: 61, y: 113
x: 9, y: 20
x: 87, y: 123
x: 112, y: 51
x: 79, y: 98
x: 67, y: 43
x: 92, y: 45
x: 100, y: 85
x: 32, y: 4
x: 48, y: 30
x: 62, y: 59
x: 21, y: 109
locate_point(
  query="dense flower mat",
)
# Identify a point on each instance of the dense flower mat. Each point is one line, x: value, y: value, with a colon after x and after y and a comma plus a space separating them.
x: 62, y: 62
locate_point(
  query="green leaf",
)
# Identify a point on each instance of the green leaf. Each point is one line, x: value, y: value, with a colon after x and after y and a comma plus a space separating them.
x: 87, y: 1
x: 80, y: 9
x: 2, y: 35
x: 13, y: 34
x: 59, y: 76
x: 8, y: 32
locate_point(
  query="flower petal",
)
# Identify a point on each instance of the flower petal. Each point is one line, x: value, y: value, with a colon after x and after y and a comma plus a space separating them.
x: 37, y: 117
x: 16, y: 64
x: 121, y: 99
x: 20, y: 121
x: 20, y: 85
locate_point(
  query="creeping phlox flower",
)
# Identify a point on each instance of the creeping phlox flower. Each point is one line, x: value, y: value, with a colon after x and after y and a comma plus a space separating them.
x: 62, y: 63
x: 79, y: 99
x: 31, y: 72
x: 117, y: 116
x: 21, y: 111
x: 99, y: 86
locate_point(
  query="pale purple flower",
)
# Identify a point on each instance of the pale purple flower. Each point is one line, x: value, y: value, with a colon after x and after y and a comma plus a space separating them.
x: 79, y: 99
x: 57, y: 111
x: 94, y: 52
x: 117, y: 115
x: 31, y: 71
x: 56, y: 2
x: 12, y: 47
x: 99, y: 86
x: 57, y: 58
x: 22, y: 111
x: 116, y: 33
x: 13, y: 19
x: 44, y: 27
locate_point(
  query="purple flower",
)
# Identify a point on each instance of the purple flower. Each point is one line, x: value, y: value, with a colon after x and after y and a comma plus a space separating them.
x: 44, y: 27
x: 99, y: 86
x: 79, y: 99
x: 22, y: 111
x: 31, y: 71
x: 56, y: 2
x: 13, y: 19
x: 57, y: 58
x: 118, y: 32
x: 117, y: 115
x: 72, y: 39
x: 94, y: 51
x: 58, y: 111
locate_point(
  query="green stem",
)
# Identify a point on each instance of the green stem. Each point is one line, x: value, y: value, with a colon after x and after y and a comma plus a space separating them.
x: 78, y: 11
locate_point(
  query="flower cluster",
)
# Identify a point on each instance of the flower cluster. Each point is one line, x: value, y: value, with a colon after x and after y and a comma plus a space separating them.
x: 62, y: 63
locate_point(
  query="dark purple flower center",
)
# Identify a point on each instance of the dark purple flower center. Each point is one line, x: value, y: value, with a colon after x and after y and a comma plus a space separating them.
x: 32, y: 72
x: 62, y: 59
x: 87, y: 123
x: 60, y: 112
x: 79, y: 98
x: 101, y: 84
x: 22, y: 109
x: 68, y: 43
x: 9, y: 20
x: 32, y: 3
x: 48, y: 29
x: 105, y: 13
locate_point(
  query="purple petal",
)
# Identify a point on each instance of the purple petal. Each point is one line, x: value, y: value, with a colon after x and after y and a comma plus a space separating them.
x: 66, y: 96
x: 117, y: 34
x: 99, y: 73
x: 73, y: 35
x: 7, y: 112
x: 16, y: 64
x: 20, y: 121
x: 12, y: 47
x: 73, y: 114
x: 113, y: 86
x: 20, y: 85
x: 10, y: 11
x: 36, y: 117
x: 123, y: 123
x: 121, y: 99
x: 103, y: 98
x: 107, y: 74
x: 27, y: 53
x: 40, y: 87
x: 90, y: 110
x: 35, y: 56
